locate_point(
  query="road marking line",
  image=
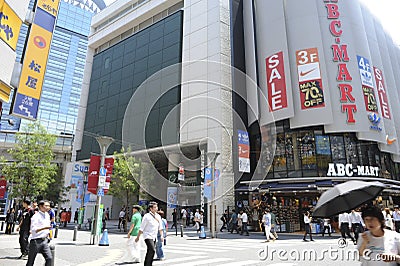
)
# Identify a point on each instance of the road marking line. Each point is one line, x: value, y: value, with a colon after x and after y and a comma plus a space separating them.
x: 241, y: 263
x: 207, y: 262
x: 178, y: 260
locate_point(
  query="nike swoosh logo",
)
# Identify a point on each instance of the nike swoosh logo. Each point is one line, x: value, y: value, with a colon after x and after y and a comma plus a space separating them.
x: 390, y: 141
x: 302, y: 74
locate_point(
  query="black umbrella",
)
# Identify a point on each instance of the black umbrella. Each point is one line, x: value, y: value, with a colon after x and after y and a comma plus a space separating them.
x: 346, y: 196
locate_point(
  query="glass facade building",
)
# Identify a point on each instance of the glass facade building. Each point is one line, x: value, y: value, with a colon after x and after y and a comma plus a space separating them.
x: 58, y: 109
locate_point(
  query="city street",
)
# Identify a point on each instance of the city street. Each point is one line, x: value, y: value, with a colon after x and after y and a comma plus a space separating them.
x: 227, y: 250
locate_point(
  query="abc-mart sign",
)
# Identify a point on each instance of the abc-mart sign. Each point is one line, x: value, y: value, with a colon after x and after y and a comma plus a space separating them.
x: 340, y: 169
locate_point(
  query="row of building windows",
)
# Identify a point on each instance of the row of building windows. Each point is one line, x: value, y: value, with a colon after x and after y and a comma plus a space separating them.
x: 140, y: 27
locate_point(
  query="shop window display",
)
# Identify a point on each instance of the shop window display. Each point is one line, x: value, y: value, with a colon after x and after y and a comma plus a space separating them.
x: 337, y: 148
x: 351, y: 149
x: 307, y: 150
x: 323, y: 150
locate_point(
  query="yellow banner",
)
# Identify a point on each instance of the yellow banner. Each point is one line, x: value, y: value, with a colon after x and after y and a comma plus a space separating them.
x: 5, y: 92
x: 10, y: 24
x: 35, y: 61
x: 50, y: 6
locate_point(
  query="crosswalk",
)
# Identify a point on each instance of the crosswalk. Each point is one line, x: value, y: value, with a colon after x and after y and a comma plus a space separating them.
x: 194, y: 252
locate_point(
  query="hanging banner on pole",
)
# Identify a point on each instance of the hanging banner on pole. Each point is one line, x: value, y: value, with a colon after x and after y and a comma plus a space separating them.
x: 27, y: 97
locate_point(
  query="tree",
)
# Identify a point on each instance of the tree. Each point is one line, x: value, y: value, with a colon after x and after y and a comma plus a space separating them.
x: 124, y: 185
x: 57, y: 192
x: 31, y: 169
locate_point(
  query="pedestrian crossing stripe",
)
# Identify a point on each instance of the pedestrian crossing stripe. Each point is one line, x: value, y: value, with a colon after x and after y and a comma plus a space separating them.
x: 208, y: 247
x: 242, y: 263
x: 169, y: 261
x: 216, y: 261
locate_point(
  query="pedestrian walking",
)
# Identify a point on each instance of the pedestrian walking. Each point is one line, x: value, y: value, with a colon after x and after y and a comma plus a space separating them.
x: 244, y: 219
x: 64, y: 217
x: 327, y: 225
x: 24, y: 227
x: 388, y: 219
x: 307, y: 226
x: 356, y: 224
x: 40, y: 226
x: 151, y: 225
x: 174, y: 219
x: 76, y: 214
x: 344, y: 221
x: 266, y: 219
x: 224, y: 219
x: 396, y: 218
x: 107, y: 213
x: 233, y: 222
x: 10, y: 219
x: 184, y: 216
x: 121, y: 217
x: 132, y: 253
x: 274, y: 221
x: 197, y: 218
x: 160, y: 242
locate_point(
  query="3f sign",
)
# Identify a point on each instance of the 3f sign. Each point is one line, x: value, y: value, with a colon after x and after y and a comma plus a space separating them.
x: 305, y: 58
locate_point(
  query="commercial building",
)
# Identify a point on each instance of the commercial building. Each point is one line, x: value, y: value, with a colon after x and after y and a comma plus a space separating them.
x: 309, y: 102
x: 63, y: 75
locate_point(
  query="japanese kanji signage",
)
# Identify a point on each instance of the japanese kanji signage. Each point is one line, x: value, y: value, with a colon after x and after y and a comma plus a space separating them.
x: 26, y: 101
x: 10, y: 24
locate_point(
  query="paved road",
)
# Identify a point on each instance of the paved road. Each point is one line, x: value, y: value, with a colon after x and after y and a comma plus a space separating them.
x: 227, y: 250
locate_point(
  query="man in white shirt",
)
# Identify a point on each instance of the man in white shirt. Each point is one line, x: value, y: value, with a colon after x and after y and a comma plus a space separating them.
x: 243, y: 216
x: 396, y: 218
x: 197, y: 218
x: 40, y: 225
x: 150, y: 226
x: 184, y: 217
x: 356, y: 224
x: 344, y: 222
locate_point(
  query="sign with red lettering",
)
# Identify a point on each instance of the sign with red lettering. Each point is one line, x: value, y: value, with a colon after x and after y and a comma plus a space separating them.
x: 383, y: 98
x: 3, y: 187
x: 93, y: 176
x: 276, y: 83
x: 341, y: 56
x: 310, y: 82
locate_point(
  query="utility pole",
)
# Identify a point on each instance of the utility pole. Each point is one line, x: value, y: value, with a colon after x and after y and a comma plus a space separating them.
x: 104, y: 143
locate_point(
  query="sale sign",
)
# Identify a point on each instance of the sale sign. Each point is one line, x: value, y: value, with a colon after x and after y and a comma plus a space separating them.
x: 276, y: 84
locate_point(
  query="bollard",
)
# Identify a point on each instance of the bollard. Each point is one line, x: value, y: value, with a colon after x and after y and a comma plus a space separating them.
x: 56, y: 233
x: 2, y: 225
x: 176, y: 229
x: 75, y: 232
x: 181, y: 230
x: 53, y: 254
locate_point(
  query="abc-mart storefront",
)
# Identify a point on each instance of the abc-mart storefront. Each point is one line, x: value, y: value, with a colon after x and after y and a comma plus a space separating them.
x: 330, y: 77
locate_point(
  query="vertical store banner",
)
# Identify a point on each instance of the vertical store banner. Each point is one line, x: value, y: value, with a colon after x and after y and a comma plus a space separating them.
x: 244, y: 151
x: 10, y: 25
x: 27, y: 97
x: 93, y: 177
x: 367, y: 84
x: 3, y: 187
x: 310, y: 81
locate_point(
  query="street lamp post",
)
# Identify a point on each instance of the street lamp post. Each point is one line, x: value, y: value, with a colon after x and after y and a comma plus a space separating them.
x: 104, y: 143
x: 212, y: 156
x: 83, y: 194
